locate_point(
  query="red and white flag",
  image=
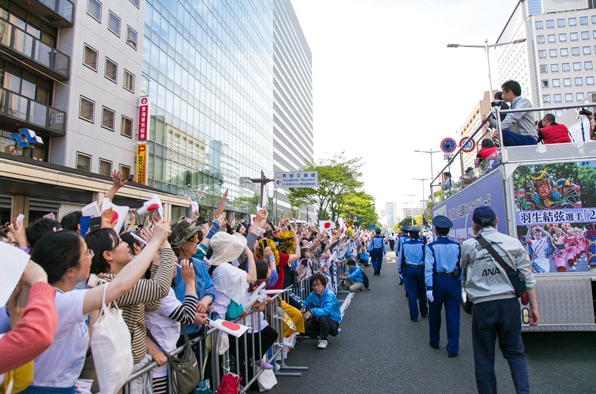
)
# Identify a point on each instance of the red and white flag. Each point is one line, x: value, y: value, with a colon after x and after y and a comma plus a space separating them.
x: 326, y: 225
x: 231, y: 328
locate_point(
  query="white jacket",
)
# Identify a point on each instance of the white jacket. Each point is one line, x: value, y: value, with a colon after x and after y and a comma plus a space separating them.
x: 485, y: 279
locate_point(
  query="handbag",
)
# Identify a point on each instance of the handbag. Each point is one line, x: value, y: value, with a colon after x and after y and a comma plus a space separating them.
x: 184, y: 368
x: 111, y: 348
x: 266, y: 380
x: 516, y: 277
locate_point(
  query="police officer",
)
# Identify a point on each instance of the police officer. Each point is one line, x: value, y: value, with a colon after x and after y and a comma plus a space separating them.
x: 411, y: 264
x: 442, y: 275
x: 377, y: 250
x: 401, y: 238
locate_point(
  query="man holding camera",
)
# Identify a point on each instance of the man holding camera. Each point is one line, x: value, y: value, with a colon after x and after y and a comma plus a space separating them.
x: 517, y: 127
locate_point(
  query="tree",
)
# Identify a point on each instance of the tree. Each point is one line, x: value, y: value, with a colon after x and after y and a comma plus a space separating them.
x: 339, y: 178
x: 361, y: 206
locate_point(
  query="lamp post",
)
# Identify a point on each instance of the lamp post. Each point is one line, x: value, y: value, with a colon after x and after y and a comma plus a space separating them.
x: 486, y: 47
x: 412, y: 203
x: 423, y: 200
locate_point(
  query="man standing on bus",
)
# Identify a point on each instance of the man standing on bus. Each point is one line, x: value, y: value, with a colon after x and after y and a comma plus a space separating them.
x: 442, y: 276
x: 496, y: 311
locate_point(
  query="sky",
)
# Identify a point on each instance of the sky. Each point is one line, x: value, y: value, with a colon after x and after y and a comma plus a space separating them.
x: 385, y: 83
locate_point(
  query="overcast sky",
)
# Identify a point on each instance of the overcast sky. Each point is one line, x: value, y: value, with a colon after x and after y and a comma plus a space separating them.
x: 385, y: 83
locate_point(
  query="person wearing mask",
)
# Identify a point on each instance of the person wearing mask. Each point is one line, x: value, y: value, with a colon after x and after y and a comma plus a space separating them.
x: 517, y: 127
x: 496, y: 312
x: 377, y: 250
x: 411, y: 264
x: 442, y: 276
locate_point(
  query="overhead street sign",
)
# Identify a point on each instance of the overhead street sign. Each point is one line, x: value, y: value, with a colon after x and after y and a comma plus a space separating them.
x: 296, y: 179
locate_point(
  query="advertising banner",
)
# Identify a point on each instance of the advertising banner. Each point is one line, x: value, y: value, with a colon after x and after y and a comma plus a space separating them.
x: 141, y: 164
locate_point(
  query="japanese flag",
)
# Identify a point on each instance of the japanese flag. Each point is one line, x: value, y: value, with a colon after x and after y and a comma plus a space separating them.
x: 325, y: 225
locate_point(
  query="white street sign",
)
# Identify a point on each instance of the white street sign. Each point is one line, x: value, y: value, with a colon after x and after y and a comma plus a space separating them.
x: 296, y: 179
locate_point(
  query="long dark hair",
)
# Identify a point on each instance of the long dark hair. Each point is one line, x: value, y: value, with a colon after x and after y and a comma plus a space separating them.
x: 99, y: 241
x: 57, y: 252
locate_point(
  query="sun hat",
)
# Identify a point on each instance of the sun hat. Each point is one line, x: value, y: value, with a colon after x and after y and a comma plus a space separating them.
x: 226, y: 247
x: 181, y: 232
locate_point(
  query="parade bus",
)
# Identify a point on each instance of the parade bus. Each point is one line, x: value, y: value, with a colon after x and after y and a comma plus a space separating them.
x: 544, y: 195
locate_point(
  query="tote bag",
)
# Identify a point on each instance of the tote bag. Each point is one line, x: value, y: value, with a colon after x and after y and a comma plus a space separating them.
x: 111, y: 348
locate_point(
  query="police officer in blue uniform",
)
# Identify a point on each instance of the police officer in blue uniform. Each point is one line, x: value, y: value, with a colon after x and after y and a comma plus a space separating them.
x: 401, y: 238
x: 442, y: 275
x: 377, y: 250
x: 411, y: 265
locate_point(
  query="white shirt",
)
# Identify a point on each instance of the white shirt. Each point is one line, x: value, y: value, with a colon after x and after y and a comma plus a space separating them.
x: 61, y: 364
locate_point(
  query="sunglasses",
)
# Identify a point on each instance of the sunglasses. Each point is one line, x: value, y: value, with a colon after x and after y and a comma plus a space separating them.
x: 193, y: 238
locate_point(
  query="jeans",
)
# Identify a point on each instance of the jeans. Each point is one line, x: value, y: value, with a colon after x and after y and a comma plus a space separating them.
x: 498, y: 319
x: 322, y: 328
x: 513, y: 139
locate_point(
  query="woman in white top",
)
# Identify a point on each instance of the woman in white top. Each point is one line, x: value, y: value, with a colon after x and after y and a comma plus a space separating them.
x: 67, y: 260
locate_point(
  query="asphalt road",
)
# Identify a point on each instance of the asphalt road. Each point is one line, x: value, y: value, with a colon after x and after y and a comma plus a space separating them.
x: 380, y: 351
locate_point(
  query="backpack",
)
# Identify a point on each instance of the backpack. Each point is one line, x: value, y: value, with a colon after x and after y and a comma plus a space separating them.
x: 365, y: 278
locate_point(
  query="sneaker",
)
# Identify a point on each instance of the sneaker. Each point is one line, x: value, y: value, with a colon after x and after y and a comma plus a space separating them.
x: 322, y: 344
x: 262, y: 364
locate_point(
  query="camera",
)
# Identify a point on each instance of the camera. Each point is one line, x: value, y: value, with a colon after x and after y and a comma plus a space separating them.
x: 584, y: 111
x: 497, y: 103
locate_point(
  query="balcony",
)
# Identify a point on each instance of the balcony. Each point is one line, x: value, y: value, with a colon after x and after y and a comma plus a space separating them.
x: 31, y: 114
x: 59, y: 13
x: 33, y: 52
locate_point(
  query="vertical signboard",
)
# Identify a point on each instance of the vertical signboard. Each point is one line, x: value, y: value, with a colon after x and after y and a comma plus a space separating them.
x: 143, y: 118
x: 141, y: 164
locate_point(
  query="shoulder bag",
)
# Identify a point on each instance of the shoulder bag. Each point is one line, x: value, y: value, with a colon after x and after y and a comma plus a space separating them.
x: 184, y: 367
x: 516, y: 277
x: 111, y: 348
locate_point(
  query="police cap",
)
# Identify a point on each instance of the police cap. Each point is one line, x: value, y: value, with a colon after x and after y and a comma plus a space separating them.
x: 441, y: 221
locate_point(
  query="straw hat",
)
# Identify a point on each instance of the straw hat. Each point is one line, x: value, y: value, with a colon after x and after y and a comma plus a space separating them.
x: 226, y: 247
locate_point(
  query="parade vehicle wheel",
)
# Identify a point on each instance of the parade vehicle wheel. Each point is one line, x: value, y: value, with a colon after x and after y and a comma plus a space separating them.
x: 465, y: 301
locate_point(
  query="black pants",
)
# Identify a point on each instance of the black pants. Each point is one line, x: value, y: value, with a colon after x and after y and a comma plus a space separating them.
x: 321, y: 328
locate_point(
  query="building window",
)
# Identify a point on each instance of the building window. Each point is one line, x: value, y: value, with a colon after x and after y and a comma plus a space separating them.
x: 557, y: 98
x: 564, y: 52
x: 135, y: 2
x: 593, y: 33
x: 552, y: 52
x: 594, y: 19
x: 90, y: 57
x: 575, y: 51
x: 579, y: 81
x: 563, y: 37
x: 83, y: 162
x: 565, y: 67
x: 94, y: 9
x: 539, y: 25
x: 573, y: 36
x: 560, y: 22
x: 540, y: 39
x: 585, y: 35
x: 86, y: 110
x: 580, y: 96
x: 129, y: 81
x: 589, y: 80
x: 111, y: 70
x: 583, y: 20
x: 588, y: 65
x: 552, y: 38
x: 107, y: 118
x: 577, y: 66
x: 131, y: 37
x: 124, y: 170
x: 126, y: 126
x: 550, y: 24
x: 568, y: 97
x: 566, y: 82
x: 542, y: 54
x: 587, y: 50
x: 556, y: 83
x: 105, y: 167
x: 114, y: 23
x: 544, y: 83
x: 546, y: 98
x: 554, y: 68
x: 572, y: 22
x: 543, y: 68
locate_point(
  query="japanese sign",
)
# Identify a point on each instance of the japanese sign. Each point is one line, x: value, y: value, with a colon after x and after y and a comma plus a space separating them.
x: 143, y: 118
x: 141, y: 164
x: 296, y: 179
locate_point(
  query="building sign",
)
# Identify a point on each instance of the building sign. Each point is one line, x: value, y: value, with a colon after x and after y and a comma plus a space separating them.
x: 296, y: 179
x: 141, y: 164
x: 143, y: 118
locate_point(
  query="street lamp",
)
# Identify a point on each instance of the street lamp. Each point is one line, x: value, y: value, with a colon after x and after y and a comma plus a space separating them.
x: 486, y: 47
x: 421, y: 179
x: 412, y: 202
x: 432, y: 173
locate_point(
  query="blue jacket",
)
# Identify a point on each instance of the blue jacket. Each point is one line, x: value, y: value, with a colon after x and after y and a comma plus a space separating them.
x: 325, y: 305
x: 441, y: 256
x: 204, y: 286
x: 411, y: 252
x: 355, y: 275
x: 376, y: 242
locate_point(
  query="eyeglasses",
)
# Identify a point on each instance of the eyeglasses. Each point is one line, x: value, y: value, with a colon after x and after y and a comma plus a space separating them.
x: 89, y: 253
x: 193, y: 238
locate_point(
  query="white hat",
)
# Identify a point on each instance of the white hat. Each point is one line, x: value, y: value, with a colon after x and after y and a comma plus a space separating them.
x: 226, y: 247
